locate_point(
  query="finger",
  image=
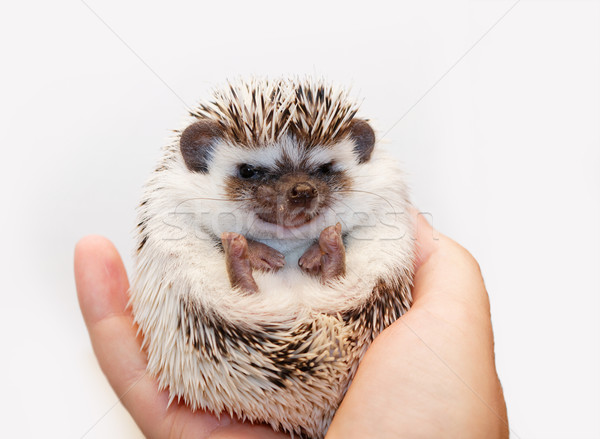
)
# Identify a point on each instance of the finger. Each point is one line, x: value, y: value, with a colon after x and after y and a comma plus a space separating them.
x: 100, y: 278
x: 444, y: 269
x: 102, y: 291
x: 426, y: 237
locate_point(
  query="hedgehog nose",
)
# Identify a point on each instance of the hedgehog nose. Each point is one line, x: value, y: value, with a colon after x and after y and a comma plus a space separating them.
x: 302, y: 193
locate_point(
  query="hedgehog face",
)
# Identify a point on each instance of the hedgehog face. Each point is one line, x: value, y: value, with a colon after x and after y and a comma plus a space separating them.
x: 286, y: 192
x: 288, y: 198
x: 281, y: 186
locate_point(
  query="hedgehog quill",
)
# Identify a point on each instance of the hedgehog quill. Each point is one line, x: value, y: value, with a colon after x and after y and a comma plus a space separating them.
x: 273, y: 245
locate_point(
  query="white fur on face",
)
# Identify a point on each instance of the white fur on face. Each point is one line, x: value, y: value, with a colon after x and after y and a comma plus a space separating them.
x: 227, y: 157
x: 233, y: 217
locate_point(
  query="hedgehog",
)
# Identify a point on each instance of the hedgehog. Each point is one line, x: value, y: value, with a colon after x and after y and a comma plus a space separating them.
x: 273, y: 245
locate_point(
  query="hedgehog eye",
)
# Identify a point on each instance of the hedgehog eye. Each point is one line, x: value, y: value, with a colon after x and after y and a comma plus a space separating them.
x: 247, y: 171
x: 326, y: 169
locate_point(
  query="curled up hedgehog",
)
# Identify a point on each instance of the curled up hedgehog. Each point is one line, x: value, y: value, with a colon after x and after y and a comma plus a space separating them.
x: 274, y: 244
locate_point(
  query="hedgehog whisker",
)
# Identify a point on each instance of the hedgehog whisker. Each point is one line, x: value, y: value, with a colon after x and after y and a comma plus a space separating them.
x: 204, y: 198
x: 218, y: 199
x: 237, y: 208
x: 337, y: 216
x: 370, y: 193
x: 178, y: 206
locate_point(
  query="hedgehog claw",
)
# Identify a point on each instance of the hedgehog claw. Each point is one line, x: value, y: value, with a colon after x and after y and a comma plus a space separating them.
x: 265, y: 258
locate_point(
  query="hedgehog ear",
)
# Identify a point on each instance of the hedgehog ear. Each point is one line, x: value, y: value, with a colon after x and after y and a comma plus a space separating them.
x: 364, y: 139
x: 196, y: 143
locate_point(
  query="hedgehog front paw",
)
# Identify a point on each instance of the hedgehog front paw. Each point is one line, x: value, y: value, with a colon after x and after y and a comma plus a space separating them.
x: 263, y: 257
x: 328, y: 256
x: 310, y: 261
x: 238, y: 263
x: 333, y: 253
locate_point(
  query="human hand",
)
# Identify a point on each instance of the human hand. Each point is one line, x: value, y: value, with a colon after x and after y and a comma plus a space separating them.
x: 432, y: 373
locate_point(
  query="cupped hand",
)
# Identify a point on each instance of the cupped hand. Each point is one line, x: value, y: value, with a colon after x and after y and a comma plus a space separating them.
x: 431, y: 374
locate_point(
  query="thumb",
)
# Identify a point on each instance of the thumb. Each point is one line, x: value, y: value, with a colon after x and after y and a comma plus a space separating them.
x: 444, y: 270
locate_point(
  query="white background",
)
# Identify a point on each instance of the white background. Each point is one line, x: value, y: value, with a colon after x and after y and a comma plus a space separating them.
x: 504, y: 152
